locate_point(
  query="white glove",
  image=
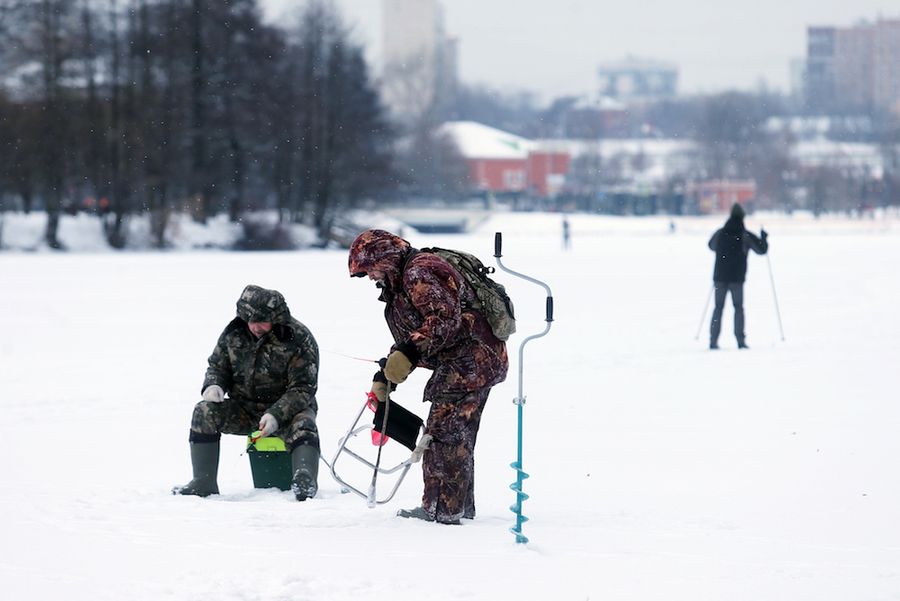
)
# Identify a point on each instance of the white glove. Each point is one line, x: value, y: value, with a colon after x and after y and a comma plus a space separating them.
x: 424, y: 442
x: 267, y: 424
x: 214, y: 394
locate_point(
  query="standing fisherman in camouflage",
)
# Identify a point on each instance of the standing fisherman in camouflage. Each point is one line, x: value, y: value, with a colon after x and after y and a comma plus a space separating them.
x: 267, y: 362
x: 427, y: 308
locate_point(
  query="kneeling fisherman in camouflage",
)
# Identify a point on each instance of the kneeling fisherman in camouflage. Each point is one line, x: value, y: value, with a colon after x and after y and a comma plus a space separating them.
x: 428, y: 309
x: 262, y: 375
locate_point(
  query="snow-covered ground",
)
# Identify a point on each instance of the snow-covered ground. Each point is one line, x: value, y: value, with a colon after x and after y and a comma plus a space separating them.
x: 83, y: 232
x: 659, y: 470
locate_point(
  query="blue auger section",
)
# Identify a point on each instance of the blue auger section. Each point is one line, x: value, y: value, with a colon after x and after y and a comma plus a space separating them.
x: 521, y: 497
x: 520, y: 474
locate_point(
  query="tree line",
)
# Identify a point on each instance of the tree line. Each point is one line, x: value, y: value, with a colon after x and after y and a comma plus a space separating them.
x: 153, y: 106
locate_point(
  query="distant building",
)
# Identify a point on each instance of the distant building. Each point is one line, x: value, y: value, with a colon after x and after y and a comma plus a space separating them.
x: 547, y: 168
x: 886, y: 66
x: 717, y: 196
x: 853, y: 68
x: 502, y: 162
x: 650, y: 163
x: 634, y: 79
x: 814, y: 128
x: 588, y: 117
x: 419, y: 71
x: 797, y: 77
x: 851, y: 158
x: 819, y: 89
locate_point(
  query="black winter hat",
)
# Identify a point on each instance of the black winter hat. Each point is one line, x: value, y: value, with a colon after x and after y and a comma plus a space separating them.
x: 737, y: 211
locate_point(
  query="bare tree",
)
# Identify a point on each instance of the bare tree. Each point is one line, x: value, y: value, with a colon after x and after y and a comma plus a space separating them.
x: 432, y: 166
x: 47, y: 41
x: 341, y: 135
x: 149, y: 106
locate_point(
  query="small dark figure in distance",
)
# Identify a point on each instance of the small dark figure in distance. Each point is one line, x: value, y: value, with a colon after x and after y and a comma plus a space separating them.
x: 731, y: 243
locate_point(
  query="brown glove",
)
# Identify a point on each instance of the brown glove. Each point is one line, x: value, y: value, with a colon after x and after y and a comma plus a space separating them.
x: 379, y: 389
x: 380, y: 385
x: 397, y: 367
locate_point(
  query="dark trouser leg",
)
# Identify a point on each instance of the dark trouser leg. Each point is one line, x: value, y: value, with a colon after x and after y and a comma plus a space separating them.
x: 737, y: 299
x: 211, y: 420
x: 715, y: 326
x: 208, y: 422
x: 469, y: 505
x: 204, y: 441
x: 448, y: 464
x: 469, y: 509
x: 228, y: 417
x: 301, y: 431
x: 234, y: 417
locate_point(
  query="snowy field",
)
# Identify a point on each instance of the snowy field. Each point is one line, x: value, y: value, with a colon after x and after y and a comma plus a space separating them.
x: 660, y: 471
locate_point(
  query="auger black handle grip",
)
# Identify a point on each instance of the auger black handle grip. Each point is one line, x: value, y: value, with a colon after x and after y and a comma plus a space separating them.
x: 498, y: 244
x: 549, y: 308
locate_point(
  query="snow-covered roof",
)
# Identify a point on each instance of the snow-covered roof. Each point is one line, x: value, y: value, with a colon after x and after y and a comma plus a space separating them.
x: 662, y: 158
x: 810, y: 128
x: 840, y: 154
x: 599, y: 102
x: 611, y: 147
x: 478, y: 141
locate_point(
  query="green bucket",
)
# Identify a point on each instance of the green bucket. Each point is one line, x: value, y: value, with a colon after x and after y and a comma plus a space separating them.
x: 270, y: 462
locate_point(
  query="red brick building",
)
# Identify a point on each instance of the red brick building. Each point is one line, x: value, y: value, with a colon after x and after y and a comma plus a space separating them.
x: 502, y: 162
x: 547, y: 169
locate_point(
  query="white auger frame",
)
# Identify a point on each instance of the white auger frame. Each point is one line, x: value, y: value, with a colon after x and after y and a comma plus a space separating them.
x: 402, y: 467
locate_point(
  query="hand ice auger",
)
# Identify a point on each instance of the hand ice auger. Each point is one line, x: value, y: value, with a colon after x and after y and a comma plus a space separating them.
x: 520, y: 398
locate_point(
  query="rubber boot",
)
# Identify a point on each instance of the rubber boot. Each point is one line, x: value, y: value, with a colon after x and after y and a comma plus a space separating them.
x: 205, y: 462
x: 305, y: 467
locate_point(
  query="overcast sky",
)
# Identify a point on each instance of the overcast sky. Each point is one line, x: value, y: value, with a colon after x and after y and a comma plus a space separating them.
x: 552, y: 47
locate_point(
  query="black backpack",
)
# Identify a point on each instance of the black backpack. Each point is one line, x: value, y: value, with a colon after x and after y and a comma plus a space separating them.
x: 491, y: 299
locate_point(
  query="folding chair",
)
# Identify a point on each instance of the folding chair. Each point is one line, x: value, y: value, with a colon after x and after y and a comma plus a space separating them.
x: 403, y: 426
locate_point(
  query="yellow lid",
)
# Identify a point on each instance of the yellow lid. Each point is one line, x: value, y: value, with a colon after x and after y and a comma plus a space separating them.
x: 268, y: 443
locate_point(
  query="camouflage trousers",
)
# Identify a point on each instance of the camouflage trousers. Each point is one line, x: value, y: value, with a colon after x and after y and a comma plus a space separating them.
x: 232, y: 416
x: 448, y: 466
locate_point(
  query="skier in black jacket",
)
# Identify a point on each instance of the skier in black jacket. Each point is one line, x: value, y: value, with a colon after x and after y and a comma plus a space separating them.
x: 731, y: 244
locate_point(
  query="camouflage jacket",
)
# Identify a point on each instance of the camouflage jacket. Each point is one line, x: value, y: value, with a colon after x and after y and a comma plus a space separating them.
x: 278, y: 370
x: 424, y: 295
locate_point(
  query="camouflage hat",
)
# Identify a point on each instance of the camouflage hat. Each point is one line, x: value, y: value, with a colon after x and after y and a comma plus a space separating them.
x: 260, y: 304
x: 376, y: 249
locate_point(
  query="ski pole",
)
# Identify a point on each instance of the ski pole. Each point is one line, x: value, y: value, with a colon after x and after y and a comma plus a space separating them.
x: 370, y: 499
x: 519, y: 401
x: 705, y: 309
x: 775, y: 296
